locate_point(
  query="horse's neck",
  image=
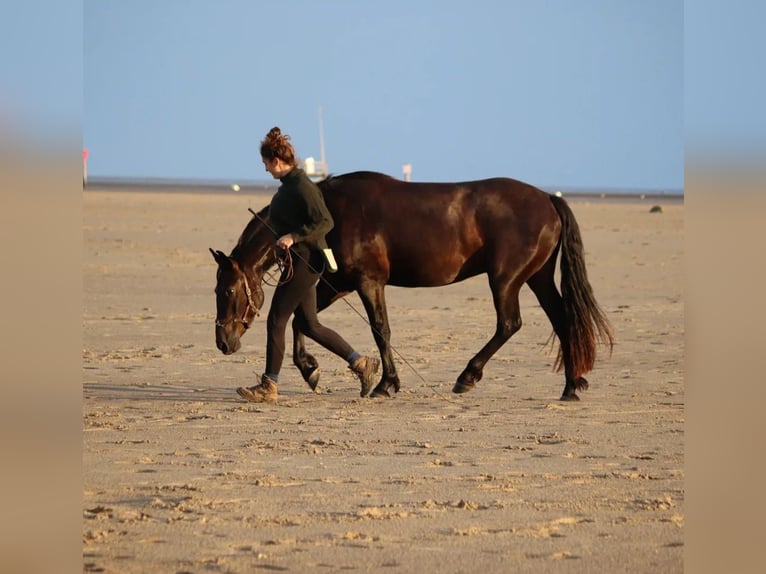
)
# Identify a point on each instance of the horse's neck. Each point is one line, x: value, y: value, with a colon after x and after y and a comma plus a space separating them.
x: 257, y: 255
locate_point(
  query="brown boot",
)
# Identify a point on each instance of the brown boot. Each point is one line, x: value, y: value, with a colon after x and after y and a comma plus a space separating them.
x: 266, y: 392
x: 365, y: 368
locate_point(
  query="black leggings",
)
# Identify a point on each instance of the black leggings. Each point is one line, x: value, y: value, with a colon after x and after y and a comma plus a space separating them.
x: 299, y: 296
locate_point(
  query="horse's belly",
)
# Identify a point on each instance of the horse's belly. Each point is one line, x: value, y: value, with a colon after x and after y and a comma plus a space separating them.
x: 429, y: 275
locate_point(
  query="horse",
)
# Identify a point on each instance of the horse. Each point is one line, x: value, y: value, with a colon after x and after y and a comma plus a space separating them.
x: 416, y: 234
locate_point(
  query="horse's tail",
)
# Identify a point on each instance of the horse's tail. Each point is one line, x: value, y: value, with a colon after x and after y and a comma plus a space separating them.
x: 586, y: 323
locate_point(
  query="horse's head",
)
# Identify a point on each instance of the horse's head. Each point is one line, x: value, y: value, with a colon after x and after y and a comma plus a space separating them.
x: 239, y: 299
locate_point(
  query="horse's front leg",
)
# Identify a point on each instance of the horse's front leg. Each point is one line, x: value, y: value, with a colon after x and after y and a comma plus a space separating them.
x: 306, y: 362
x: 374, y: 301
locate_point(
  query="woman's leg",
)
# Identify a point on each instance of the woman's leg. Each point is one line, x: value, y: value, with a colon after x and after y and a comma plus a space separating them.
x: 308, y: 322
x: 299, y: 296
x: 286, y: 299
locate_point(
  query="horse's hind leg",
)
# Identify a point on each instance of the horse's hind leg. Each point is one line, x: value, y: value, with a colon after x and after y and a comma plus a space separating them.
x: 544, y: 288
x: 506, y: 299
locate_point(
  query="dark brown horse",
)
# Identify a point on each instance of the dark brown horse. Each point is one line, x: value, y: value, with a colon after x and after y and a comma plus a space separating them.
x: 390, y: 232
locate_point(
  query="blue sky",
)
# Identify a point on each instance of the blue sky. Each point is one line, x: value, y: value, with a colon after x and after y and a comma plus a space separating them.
x: 724, y: 80
x: 41, y: 70
x: 587, y: 93
x: 574, y: 94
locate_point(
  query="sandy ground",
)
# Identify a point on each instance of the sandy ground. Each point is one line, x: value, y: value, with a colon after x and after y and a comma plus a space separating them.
x: 181, y: 476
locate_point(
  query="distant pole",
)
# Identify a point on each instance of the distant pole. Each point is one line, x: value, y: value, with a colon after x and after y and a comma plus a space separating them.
x: 84, y: 167
x: 407, y: 171
x: 321, y: 141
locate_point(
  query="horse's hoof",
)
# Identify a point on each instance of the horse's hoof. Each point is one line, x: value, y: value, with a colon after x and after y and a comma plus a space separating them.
x: 313, y: 378
x: 462, y: 387
x: 467, y: 380
x: 570, y: 397
x: 378, y: 393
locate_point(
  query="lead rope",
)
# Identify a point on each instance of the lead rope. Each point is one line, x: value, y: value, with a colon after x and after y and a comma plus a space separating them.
x: 393, y: 348
x: 288, y: 258
x: 285, y: 266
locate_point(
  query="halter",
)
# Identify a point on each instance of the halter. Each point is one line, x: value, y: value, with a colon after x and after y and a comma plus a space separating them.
x: 250, y: 305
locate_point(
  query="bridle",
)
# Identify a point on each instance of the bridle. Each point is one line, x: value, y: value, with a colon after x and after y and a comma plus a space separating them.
x: 285, y: 264
x: 250, y: 305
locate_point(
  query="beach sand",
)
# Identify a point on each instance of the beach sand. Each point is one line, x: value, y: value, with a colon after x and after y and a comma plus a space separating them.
x: 180, y: 475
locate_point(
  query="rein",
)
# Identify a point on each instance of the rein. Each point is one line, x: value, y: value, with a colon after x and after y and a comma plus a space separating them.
x: 285, y: 265
x: 284, y: 262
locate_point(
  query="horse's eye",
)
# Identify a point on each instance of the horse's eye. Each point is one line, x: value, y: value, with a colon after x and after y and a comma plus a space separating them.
x: 230, y: 292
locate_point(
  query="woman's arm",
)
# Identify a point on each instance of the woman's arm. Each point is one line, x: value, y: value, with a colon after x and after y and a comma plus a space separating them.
x: 319, y: 221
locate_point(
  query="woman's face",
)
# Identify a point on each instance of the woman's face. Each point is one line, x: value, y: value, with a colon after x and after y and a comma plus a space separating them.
x: 276, y: 167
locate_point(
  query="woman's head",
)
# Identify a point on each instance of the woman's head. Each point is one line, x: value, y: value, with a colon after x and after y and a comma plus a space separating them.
x: 277, y: 153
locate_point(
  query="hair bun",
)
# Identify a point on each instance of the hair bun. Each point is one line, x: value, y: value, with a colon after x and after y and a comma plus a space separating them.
x: 277, y: 145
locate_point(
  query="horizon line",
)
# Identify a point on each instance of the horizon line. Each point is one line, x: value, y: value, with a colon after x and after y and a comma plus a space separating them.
x: 175, y: 182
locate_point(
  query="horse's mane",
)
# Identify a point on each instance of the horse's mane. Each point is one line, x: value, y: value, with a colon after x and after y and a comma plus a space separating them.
x: 252, y: 227
x: 331, y: 180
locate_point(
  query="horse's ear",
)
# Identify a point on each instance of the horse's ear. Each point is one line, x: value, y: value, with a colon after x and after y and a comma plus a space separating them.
x: 219, y: 256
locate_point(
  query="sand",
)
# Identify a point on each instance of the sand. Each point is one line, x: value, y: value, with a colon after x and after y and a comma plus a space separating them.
x: 180, y: 475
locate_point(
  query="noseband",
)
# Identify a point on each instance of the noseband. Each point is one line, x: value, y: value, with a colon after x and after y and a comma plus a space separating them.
x: 250, y: 305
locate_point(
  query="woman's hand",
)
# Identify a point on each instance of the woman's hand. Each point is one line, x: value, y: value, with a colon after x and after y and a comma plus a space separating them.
x: 285, y: 241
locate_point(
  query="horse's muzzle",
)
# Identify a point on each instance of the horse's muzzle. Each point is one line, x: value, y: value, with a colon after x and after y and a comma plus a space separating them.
x: 227, y: 347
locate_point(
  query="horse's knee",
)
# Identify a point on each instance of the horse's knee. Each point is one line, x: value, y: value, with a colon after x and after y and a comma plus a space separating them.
x: 510, y: 326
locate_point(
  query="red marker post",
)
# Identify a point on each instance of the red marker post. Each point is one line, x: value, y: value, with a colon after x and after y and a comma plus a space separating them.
x: 84, y: 166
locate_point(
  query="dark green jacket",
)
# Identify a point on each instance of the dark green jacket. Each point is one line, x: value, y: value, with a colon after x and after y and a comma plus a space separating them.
x: 298, y: 208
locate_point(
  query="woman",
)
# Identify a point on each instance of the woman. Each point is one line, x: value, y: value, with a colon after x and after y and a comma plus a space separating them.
x: 300, y: 220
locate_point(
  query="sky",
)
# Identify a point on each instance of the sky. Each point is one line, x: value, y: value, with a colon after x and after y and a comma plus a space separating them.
x: 586, y: 93
x: 724, y: 81
x: 41, y: 69
x: 556, y: 92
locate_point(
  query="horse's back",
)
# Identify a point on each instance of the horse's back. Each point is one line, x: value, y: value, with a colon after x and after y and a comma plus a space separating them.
x: 377, y: 203
x: 386, y: 195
